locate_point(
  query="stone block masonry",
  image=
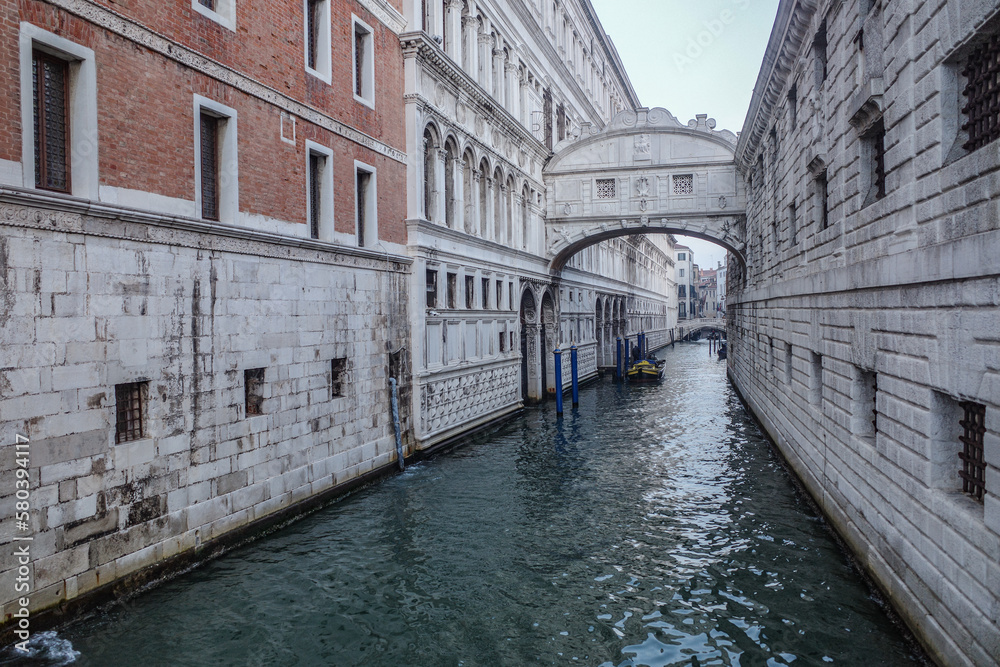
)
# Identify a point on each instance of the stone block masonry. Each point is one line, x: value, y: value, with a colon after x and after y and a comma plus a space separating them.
x: 863, y: 331
x: 185, y: 320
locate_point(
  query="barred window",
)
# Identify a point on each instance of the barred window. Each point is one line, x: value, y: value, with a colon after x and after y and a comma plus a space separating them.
x: 338, y: 372
x: 684, y: 184
x: 210, y: 4
x: 49, y: 105
x: 364, y: 63
x: 982, y: 94
x: 129, y: 412
x: 973, y: 472
x: 209, y: 167
x: 878, y: 160
x: 253, y: 388
x: 606, y: 188
x: 312, y: 32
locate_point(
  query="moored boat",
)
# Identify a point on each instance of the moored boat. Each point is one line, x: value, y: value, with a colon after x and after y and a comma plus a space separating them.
x: 645, y: 371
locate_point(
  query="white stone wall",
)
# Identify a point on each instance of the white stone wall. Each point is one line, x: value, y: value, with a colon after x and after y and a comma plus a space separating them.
x: 90, y: 303
x: 898, y: 292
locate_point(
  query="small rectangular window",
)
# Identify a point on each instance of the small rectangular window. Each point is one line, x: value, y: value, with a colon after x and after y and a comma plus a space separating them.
x: 973, y: 471
x: 793, y: 103
x: 684, y: 184
x: 819, y: 54
x: 222, y: 12
x: 510, y: 294
x: 312, y: 31
x: 50, y: 76
x: 470, y: 292
x: 364, y: 63
x: 503, y: 341
x: 792, y: 224
x: 682, y: 273
x: 366, y: 200
x: 316, y: 165
x: 499, y: 295
x: 486, y: 293
x: 129, y: 411
x: 253, y: 390
x: 606, y: 188
x: 210, y: 4
x: 431, y: 287
x: 318, y: 53
x: 452, y: 290
x: 816, y: 378
x: 681, y: 256
x: 822, y: 200
x: 982, y: 94
x: 338, y: 370
x: 209, y: 167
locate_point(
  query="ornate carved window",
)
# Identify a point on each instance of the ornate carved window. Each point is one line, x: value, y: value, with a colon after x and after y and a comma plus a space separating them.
x: 973, y: 472
x: 49, y: 79
x: 606, y: 188
x: 982, y: 94
x: 684, y: 184
x: 129, y: 411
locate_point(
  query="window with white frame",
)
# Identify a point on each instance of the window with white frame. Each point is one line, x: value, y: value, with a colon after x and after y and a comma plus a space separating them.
x: 59, y: 104
x: 365, y: 198
x: 215, y: 161
x: 222, y: 12
x: 364, y: 63
x: 317, y: 38
x: 319, y: 190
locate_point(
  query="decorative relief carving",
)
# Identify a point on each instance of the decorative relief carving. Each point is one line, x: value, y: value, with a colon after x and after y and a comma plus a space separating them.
x: 723, y: 202
x: 453, y: 401
x: 642, y: 146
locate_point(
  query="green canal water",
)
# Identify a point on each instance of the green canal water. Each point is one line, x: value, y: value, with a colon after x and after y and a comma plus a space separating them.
x: 652, y: 526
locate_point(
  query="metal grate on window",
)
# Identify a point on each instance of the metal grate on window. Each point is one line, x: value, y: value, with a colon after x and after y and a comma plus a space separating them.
x: 982, y: 94
x: 253, y: 388
x: 207, y: 3
x: 878, y: 159
x: 973, y: 472
x: 128, y: 412
x: 315, y: 190
x: 209, y: 167
x: 312, y: 31
x: 49, y: 77
x: 606, y: 188
x: 684, y: 184
x: 359, y: 62
x: 338, y: 371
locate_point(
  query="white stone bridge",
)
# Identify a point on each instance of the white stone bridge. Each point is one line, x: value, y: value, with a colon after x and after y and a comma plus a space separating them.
x: 645, y: 173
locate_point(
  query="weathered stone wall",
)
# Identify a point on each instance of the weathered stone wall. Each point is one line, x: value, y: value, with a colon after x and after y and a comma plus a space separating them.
x: 856, y: 336
x: 90, y: 303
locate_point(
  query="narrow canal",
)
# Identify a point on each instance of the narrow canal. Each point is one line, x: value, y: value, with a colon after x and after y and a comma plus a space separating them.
x: 653, y: 526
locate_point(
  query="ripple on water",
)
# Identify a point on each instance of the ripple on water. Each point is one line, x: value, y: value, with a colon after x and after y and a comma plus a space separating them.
x: 652, y: 526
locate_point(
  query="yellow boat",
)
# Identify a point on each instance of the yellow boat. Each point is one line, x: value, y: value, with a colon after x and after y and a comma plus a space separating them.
x: 645, y: 371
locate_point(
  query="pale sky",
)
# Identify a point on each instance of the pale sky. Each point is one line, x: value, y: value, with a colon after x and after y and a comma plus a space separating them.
x: 691, y: 58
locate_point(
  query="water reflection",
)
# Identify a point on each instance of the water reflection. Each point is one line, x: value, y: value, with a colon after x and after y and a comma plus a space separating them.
x: 650, y: 526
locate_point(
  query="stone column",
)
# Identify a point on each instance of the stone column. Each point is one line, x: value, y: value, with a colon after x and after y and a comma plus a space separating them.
x: 501, y: 215
x: 472, y: 207
x: 459, y: 203
x: 453, y: 29
x: 517, y: 223
x: 485, y: 67
x: 490, y: 208
x: 498, y: 75
x: 471, y: 66
x: 440, y: 173
x: 514, y: 90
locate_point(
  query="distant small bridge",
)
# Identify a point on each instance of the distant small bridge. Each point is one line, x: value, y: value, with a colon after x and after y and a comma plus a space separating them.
x: 687, y: 327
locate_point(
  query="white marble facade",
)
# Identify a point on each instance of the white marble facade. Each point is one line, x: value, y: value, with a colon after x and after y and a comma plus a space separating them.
x: 491, y: 88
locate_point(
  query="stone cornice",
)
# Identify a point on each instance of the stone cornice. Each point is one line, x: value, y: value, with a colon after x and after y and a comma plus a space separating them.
x: 172, y: 50
x: 54, y: 212
x: 417, y: 45
x: 784, y: 45
x: 386, y: 13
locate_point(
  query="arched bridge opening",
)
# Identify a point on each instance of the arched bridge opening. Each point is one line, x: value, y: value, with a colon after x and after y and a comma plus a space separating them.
x: 645, y: 173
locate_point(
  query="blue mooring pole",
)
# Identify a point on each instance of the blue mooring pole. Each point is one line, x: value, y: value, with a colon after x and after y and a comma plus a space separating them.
x: 559, y: 384
x: 628, y: 358
x: 618, y: 360
x: 575, y: 375
x: 642, y: 345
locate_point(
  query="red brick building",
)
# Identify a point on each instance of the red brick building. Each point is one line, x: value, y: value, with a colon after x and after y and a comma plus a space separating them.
x: 203, y: 277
